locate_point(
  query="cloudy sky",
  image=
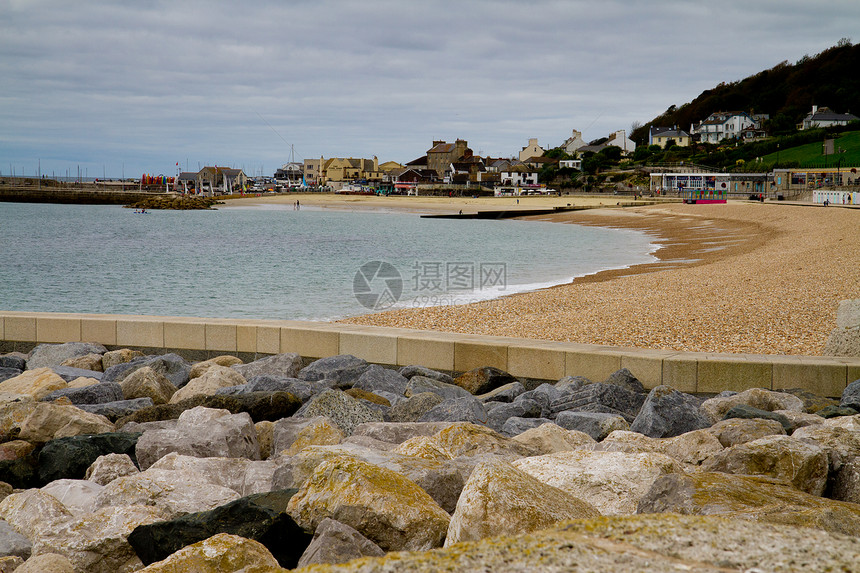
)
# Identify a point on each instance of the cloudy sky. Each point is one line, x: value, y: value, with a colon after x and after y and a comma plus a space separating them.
x: 138, y: 86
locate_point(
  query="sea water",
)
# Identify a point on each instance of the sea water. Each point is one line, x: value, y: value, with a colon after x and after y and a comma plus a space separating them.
x: 272, y: 262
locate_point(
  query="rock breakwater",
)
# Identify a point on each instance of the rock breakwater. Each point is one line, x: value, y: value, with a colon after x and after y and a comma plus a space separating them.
x: 112, y: 461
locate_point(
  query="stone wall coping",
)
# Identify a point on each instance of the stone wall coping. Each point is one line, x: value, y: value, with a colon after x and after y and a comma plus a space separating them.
x: 700, y: 372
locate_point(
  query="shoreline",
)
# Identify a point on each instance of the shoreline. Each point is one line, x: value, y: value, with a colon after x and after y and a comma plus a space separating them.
x: 737, y: 278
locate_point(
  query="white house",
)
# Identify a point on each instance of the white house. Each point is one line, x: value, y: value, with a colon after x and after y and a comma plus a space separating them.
x: 723, y: 125
x: 824, y: 117
x: 620, y: 139
x: 573, y: 143
x: 518, y: 177
x: 571, y: 164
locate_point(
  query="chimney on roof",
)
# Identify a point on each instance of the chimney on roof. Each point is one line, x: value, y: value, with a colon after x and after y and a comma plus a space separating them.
x: 814, y: 109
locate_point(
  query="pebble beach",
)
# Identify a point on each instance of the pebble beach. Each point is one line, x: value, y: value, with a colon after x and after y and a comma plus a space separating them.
x: 739, y: 277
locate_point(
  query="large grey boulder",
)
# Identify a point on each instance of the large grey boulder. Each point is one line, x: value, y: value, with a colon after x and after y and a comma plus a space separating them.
x: 287, y: 365
x: 625, y: 379
x: 344, y: 370
x: 113, y: 411
x: 201, y: 432
x: 51, y: 355
x: 667, y: 413
x: 343, y: 410
x: 92, y: 394
x: 466, y: 409
x: 13, y: 361
x: 382, y: 381
x: 171, y: 366
x: 301, y: 389
x: 411, y: 409
x: 598, y: 425
x: 515, y: 425
x: 498, y: 416
x: 13, y: 543
x: 69, y: 373
x: 601, y: 398
x: 420, y: 384
x: 545, y: 395
x: 6, y: 373
x: 851, y: 396
x: 336, y: 542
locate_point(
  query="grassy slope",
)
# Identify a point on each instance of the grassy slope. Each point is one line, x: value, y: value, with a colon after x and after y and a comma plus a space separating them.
x: 810, y: 155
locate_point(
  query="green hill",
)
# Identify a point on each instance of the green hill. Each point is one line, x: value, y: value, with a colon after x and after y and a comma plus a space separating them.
x: 786, y: 92
x: 811, y: 154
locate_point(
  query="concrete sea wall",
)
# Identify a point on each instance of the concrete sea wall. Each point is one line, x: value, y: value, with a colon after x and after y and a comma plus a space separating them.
x: 201, y: 338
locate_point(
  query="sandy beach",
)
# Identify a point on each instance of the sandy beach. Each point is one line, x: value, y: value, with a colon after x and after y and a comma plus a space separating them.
x: 742, y: 278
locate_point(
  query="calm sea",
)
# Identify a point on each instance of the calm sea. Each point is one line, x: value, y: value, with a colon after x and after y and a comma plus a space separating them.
x: 273, y: 262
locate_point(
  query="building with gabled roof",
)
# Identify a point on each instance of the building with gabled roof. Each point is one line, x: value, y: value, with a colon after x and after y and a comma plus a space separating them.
x: 825, y: 117
x: 663, y: 135
x: 531, y: 150
x: 442, y: 154
x: 723, y: 125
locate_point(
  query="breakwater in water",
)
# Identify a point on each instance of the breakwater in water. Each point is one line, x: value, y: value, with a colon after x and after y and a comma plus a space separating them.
x: 87, y: 194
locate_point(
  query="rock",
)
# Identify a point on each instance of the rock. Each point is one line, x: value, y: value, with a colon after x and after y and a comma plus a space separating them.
x: 836, y: 411
x: 49, y: 421
x: 87, y: 362
x: 598, y: 425
x: 841, y: 445
x: 847, y: 422
x: 752, y: 498
x: 383, y: 505
x: 13, y: 361
x: 411, y: 409
x: 121, y: 356
x: 270, y: 383
x: 336, y: 542
x: 245, y: 477
x: 521, y: 409
x: 71, y: 457
x: 506, y: 393
x: 344, y: 370
x: 21, y: 473
x: 634, y: 543
x: 36, y: 383
x: 850, y: 396
x: 265, y: 436
x: 77, y: 495
x: 343, y: 410
x: 147, y: 383
x: 260, y: 517
x: 109, y: 467
x: 15, y: 449
x: 812, y: 403
x: 499, y: 499
x: 716, y: 408
x: 48, y: 355
x: 13, y: 543
x: 572, y: 383
x: 201, y: 432
x: 82, y: 382
x: 420, y: 384
x: 483, y: 380
x: 397, y: 433
x: 462, y: 439
x: 551, y: 438
x: 749, y: 412
x: 691, y: 448
x: 467, y: 409
x: 667, y: 413
x: 113, y: 411
x: 800, y: 419
x: 846, y: 482
x: 292, y: 435
x: 413, y: 370
x: 625, y: 379
x: 515, y: 425
x: 221, y: 553
x: 802, y: 464
x: 33, y: 512
x: 271, y: 406
x: 200, y: 368
x: 285, y: 365
x: 359, y: 394
x: 46, y: 563
x: 601, y: 398
x: 545, y: 395
x: 69, y: 374
x: 208, y: 383
x: 171, y: 366
x: 380, y: 380
x: 6, y: 373
x: 734, y: 431
x: 91, y: 394
x: 613, y: 482
x: 174, y: 493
